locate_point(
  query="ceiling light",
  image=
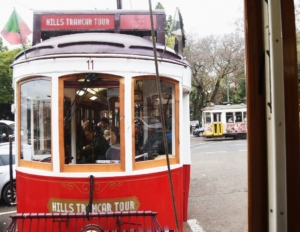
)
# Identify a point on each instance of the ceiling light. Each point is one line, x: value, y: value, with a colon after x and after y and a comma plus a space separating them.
x: 93, y: 98
x: 80, y: 93
x: 81, y: 80
x: 91, y: 91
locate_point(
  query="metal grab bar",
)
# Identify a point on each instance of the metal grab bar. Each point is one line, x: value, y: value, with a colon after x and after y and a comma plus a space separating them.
x: 77, y: 222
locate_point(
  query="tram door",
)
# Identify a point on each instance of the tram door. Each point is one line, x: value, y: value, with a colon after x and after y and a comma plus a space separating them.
x: 217, y: 127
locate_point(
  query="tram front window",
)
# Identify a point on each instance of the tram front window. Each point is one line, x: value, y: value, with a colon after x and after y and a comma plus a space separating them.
x: 207, y: 118
x: 148, y: 133
x: 35, y: 99
x: 92, y: 119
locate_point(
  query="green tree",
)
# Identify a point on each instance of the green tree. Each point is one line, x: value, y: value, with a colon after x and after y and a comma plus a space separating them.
x: 159, y: 6
x: 2, y: 48
x: 170, y: 40
x: 6, y: 90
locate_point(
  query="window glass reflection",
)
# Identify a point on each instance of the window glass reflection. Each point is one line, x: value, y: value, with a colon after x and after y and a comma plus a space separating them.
x: 148, y: 134
x: 36, y: 120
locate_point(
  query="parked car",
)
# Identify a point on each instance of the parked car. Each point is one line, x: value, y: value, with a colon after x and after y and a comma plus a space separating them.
x: 5, y: 189
x: 7, y: 128
x: 198, y: 131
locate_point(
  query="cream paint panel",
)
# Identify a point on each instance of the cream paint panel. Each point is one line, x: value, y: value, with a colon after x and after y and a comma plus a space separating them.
x: 184, y: 135
x: 113, y: 65
x: 275, y: 124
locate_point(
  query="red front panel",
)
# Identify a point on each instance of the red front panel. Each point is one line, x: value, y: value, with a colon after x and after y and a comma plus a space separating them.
x: 40, y: 194
x: 137, y: 22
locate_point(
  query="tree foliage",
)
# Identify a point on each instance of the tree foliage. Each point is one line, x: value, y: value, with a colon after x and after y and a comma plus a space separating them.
x: 6, y: 90
x: 217, y: 64
x: 2, y: 48
x: 170, y: 40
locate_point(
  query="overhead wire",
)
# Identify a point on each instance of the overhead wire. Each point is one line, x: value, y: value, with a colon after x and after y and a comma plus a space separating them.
x: 162, y: 117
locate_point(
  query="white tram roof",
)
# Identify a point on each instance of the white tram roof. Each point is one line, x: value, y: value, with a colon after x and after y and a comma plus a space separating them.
x: 98, y: 43
x: 225, y: 107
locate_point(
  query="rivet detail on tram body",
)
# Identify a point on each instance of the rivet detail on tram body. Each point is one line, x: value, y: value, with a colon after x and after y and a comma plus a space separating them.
x: 280, y: 124
x: 271, y: 210
x: 281, y: 213
x: 269, y: 118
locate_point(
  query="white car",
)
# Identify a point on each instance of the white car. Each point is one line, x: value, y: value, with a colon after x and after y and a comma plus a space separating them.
x: 5, y: 189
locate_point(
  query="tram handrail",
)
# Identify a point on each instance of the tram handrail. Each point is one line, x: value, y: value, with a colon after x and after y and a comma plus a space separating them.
x: 120, y: 223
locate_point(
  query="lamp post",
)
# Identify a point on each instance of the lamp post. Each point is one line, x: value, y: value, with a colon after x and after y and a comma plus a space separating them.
x: 227, y: 86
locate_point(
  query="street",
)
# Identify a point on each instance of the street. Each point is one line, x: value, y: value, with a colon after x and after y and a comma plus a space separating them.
x: 5, y: 211
x: 218, y: 188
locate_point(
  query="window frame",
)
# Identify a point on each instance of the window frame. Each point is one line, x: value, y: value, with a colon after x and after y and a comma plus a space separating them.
x: 161, y: 162
x: 30, y: 163
x: 90, y: 167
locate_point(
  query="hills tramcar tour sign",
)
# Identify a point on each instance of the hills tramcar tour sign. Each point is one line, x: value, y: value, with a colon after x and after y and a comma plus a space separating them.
x: 94, y: 21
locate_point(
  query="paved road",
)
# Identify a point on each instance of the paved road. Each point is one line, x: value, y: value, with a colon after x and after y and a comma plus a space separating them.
x: 5, y: 211
x: 218, y: 190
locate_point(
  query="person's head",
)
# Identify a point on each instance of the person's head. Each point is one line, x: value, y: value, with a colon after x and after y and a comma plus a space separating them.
x: 88, y: 135
x: 86, y: 125
x: 104, y: 123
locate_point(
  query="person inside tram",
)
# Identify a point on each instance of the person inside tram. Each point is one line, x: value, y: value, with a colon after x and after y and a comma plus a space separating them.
x: 97, y: 147
x: 86, y: 124
x: 230, y: 119
x: 82, y: 140
x: 238, y: 119
x: 108, y: 132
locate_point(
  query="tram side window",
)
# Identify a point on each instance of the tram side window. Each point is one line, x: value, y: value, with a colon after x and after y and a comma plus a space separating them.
x: 92, y: 120
x: 207, y: 118
x: 217, y: 117
x: 229, y: 117
x: 238, y: 116
x: 148, y: 133
x: 35, y: 120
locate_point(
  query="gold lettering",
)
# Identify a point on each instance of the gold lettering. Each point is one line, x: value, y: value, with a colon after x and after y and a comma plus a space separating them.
x: 106, y: 205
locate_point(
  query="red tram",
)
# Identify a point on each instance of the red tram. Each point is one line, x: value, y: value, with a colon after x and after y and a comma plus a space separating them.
x: 90, y: 79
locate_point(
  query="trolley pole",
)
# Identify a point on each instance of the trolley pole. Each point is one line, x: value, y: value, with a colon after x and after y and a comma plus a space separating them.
x: 119, y: 4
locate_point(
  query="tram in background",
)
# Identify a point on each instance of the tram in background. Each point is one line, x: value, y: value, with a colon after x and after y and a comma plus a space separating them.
x: 83, y: 67
x: 225, y: 121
